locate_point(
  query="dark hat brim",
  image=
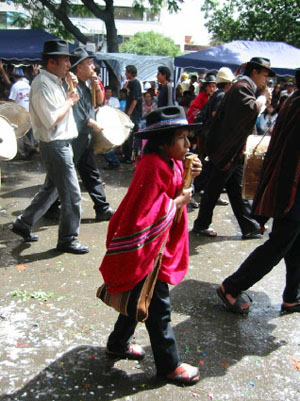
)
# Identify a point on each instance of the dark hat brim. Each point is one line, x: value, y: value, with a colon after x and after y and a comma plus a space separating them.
x: 57, y: 54
x: 271, y: 72
x: 146, y: 134
x: 81, y: 59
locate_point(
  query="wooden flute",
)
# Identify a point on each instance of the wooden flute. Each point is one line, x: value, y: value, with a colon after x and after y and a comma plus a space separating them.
x: 187, y: 180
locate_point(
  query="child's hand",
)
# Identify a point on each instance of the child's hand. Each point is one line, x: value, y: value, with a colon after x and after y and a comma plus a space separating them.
x: 184, y: 198
x: 197, y: 167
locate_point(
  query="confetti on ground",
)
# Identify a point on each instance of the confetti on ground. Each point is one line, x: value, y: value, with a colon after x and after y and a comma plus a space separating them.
x: 224, y: 364
x: 296, y: 363
x: 24, y: 294
x: 21, y: 267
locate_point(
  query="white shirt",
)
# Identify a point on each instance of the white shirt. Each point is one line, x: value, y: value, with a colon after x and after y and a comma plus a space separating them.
x: 47, y: 97
x: 113, y: 102
x: 19, y: 93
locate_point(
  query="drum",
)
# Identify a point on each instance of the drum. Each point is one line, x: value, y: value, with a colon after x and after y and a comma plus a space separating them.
x: 256, y: 148
x: 8, y: 141
x: 116, y: 129
x: 17, y: 116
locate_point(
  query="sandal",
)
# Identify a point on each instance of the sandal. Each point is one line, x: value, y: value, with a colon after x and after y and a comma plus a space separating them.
x: 206, y: 232
x: 255, y: 234
x: 184, y: 374
x: 291, y: 309
x: 134, y: 352
x: 237, y: 306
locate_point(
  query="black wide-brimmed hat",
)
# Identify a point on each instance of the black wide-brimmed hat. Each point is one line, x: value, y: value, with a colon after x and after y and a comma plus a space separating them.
x: 56, y: 47
x: 262, y: 62
x: 78, y: 55
x: 163, y: 119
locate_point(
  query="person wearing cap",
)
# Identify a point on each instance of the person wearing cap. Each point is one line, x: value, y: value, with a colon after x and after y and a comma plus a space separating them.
x: 84, y: 114
x: 19, y: 93
x: 165, y: 97
x: 234, y: 121
x: 277, y: 197
x: 54, y: 126
x: 207, y: 90
x: 143, y: 227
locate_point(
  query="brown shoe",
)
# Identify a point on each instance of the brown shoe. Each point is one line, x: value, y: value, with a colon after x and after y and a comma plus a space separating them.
x: 184, y: 374
x: 134, y: 352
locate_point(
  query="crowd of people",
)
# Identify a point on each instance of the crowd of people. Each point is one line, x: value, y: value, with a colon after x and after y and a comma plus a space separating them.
x: 214, y: 121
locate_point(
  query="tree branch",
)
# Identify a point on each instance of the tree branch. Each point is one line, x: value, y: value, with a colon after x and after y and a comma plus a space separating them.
x: 61, y: 14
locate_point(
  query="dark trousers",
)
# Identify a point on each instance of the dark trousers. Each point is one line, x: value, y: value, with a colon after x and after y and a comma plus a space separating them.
x: 159, y: 328
x: 232, y: 181
x: 61, y: 181
x: 88, y: 170
x: 129, y: 145
x: 284, y: 242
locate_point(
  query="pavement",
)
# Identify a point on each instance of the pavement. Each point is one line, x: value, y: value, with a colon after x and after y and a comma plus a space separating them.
x: 53, y: 330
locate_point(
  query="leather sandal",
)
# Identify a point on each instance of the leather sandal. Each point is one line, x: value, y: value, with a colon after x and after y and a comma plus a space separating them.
x: 184, y: 374
x: 237, y: 306
x: 206, y: 232
x: 134, y: 352
x: 255, y: 234
x: 291, y: 309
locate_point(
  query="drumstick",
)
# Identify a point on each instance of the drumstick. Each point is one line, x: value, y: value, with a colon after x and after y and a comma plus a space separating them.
x: 94, y: 100
x: 187, y: 180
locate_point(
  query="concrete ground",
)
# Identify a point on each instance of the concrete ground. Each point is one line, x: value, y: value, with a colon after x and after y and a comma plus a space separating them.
x: 53, y: 330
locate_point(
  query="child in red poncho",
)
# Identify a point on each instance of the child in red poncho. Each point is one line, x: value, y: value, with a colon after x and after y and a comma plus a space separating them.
x: 140, y: 227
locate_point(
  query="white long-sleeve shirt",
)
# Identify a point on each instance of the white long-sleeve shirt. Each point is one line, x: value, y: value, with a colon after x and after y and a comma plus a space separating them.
x: 47, y: 97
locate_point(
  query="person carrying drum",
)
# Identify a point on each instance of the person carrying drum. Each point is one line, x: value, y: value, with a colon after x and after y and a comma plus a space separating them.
x: 233, y: 123
x: 54, y: 126
x: 278, y: 196
x: 84, y: 114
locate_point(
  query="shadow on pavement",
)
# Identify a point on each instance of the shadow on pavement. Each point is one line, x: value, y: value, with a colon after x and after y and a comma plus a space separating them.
x: 84, y: 373
x: 13, y: 245
x: 207, y: 336
x: 215, y: 338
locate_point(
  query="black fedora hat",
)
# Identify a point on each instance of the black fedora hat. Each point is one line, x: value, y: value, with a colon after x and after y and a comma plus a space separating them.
x: 56, y: 47
x: 262, y: 62
x: 78, y: 55
x: 162, y: 120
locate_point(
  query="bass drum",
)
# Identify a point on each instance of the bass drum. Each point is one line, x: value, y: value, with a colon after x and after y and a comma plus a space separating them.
x: 256, y: 148
x: 8, y: 141
x: 116, y: 129
x: 17, y: 116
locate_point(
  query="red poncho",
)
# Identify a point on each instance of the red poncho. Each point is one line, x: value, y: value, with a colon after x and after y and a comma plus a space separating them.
x: 196, y: 105
x: 142, y: 222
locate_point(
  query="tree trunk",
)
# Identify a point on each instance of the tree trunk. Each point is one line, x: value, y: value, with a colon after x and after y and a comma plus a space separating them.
x: 106, y: 15
x: 112, y: 37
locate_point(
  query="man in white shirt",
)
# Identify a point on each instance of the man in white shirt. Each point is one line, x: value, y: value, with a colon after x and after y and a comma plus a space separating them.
x: 19, y: 93
x: 54, y: 126
x: 110, y: 100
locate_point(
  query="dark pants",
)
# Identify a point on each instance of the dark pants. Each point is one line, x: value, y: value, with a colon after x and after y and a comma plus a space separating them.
x: 232, y: 181
x: 111, y: 158
x: 202, y: 179
x: 159, y: 328
x: 284, y: 242
x: 129, y: 145
x: 90, y: 175
x: 61, y: 181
